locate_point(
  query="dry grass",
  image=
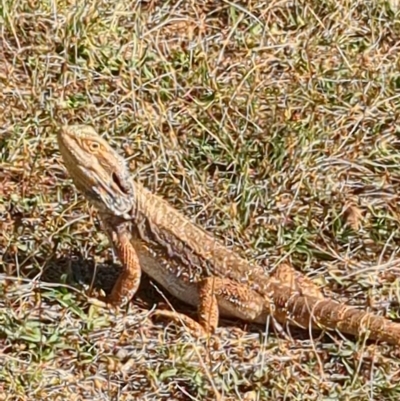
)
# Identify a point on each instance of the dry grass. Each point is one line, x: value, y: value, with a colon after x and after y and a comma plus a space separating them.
x: 272, y: 124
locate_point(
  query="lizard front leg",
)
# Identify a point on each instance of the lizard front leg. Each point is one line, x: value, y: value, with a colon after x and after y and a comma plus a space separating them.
x: 128, y: 281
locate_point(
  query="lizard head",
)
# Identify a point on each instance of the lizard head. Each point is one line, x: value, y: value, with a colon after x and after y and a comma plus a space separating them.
x: 97, y: 170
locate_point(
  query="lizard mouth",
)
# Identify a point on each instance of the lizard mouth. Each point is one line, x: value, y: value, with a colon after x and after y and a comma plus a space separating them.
x: 117, y: 181
x: 113, y: 195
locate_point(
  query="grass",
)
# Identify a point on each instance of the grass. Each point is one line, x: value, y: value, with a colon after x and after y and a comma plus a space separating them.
x: 271, y: 124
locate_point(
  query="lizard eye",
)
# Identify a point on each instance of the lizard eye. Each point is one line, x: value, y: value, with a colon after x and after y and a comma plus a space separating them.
x: 94, y: 146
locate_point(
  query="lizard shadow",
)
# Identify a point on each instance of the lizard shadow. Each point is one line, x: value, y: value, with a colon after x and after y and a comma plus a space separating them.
x: 70, y: 268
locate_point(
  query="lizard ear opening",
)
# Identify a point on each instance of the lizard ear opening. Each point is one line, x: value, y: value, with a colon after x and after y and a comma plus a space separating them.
x: 125, y: 189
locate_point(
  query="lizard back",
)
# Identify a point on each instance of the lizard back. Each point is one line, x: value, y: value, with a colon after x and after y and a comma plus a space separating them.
x: 172, y: 236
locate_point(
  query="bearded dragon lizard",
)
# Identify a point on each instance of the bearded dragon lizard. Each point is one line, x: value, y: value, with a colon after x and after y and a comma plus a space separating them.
x: 149, y: 235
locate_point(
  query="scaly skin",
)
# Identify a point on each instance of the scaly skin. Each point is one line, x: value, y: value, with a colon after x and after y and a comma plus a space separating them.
x: 149, y: 234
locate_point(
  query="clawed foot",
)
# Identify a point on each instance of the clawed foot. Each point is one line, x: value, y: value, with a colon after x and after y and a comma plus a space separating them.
x: 100, y: 301
x: 104, y: 302
x: 193, y: 327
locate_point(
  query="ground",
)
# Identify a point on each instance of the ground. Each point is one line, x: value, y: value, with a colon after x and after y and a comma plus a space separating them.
x: 271, y: 124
